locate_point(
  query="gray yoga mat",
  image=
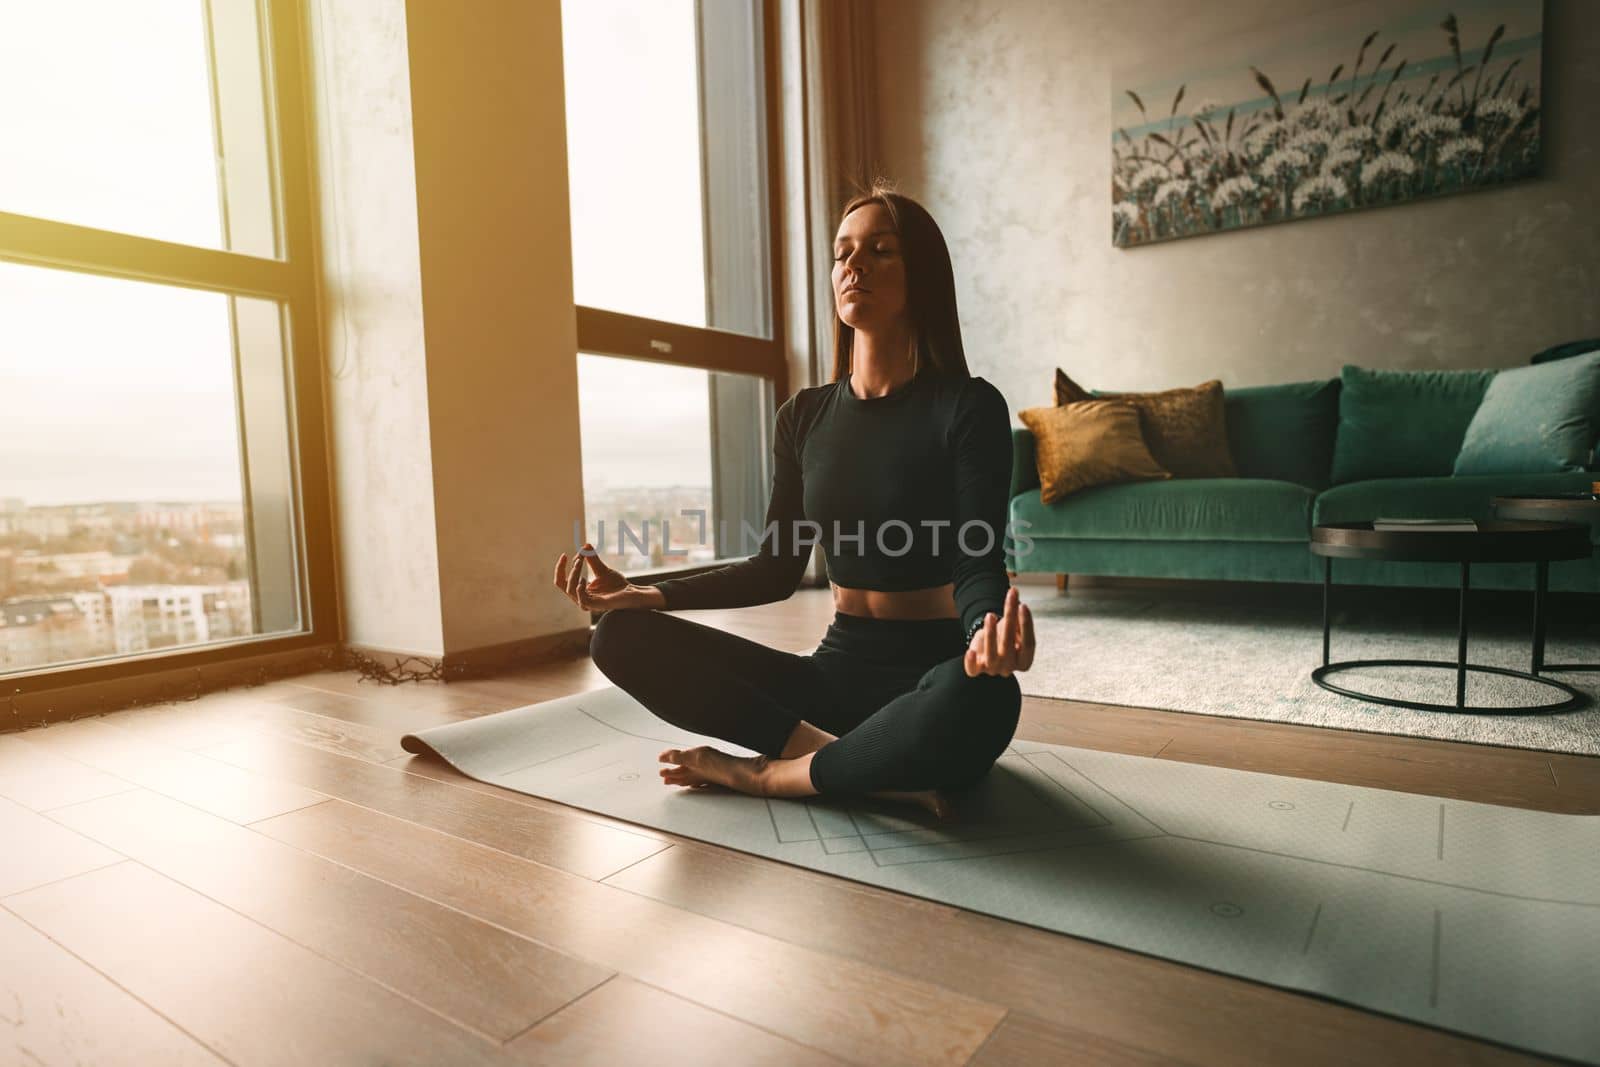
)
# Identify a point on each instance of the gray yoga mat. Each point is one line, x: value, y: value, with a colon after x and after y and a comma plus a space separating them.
x: 1471, y: 917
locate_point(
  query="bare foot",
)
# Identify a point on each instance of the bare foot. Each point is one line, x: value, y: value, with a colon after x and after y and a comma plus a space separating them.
x: 935, y: 802
x: 704, y: 765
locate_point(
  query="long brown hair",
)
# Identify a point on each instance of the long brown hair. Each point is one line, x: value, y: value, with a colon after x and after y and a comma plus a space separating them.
x: 930, y: 287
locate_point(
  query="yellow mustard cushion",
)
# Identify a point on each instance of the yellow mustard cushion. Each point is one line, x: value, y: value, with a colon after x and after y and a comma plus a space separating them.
x: 1091, y: 442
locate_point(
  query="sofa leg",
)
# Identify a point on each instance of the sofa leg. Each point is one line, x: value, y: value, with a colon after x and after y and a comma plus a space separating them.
x: 1061, y: 583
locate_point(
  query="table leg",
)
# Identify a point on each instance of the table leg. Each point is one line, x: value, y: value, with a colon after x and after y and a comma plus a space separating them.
x: 1327, y: 584
x: 1461, y: 639
x: 1541, y: 581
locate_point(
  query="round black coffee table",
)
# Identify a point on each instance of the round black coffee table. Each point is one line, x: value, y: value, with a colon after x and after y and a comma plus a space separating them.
x: 1580, y: 508
x: 1497, y: 541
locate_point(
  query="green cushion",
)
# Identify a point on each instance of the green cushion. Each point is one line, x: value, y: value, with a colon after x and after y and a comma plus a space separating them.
x: 1024, y: 461
x: 1187, y: 509
x: 1284, y: 432
x: 1403, y: 424
x: 1542, y: 418
x: 1436, y: 498
x: 1565, y: 351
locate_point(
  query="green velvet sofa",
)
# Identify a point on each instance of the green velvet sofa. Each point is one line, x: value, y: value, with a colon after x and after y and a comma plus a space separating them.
x: 1256, y: 527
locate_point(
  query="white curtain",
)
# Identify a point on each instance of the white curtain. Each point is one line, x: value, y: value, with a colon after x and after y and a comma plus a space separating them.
x: 830, y: 143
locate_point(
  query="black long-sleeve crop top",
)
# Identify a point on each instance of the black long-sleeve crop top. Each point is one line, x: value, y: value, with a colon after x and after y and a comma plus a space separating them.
x: 902, y: 491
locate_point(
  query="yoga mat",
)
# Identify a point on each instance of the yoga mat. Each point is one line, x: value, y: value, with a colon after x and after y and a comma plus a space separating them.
x: 1470, y: 917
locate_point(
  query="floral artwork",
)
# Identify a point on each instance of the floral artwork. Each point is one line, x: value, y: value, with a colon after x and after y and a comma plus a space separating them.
x: 1435, y: 98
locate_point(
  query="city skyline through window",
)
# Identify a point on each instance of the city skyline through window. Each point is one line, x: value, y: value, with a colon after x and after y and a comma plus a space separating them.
x: 633, y: 157
x: 124, y: 525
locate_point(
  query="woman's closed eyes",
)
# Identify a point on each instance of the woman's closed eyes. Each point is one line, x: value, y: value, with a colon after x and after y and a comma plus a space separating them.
x: 882, y: 250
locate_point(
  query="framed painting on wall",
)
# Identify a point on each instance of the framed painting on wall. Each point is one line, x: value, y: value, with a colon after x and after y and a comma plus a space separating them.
x: 1359, y: 107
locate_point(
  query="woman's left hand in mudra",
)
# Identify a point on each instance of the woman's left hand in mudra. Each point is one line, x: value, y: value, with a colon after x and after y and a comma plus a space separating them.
x: 1005, y: 644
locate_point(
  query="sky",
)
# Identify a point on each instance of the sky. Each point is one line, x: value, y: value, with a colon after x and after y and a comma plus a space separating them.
x: 106, y: 110
x: 633, y: 157
x: 633, y: 163
x: 111, y: 389
x: 114, y: 390
x: 120, y: 390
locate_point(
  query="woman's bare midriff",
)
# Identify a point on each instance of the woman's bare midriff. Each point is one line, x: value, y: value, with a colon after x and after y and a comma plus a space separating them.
x: 935, y: 602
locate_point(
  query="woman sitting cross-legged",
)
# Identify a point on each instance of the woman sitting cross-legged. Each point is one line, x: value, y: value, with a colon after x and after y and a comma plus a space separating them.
x: 900, y: 468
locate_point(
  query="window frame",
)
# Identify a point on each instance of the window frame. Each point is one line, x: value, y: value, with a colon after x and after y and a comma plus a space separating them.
x: 291, y: 282
x: 605, y: 332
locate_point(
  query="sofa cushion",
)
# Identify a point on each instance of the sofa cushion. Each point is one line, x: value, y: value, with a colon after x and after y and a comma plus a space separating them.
x: 1405, y: 423
x: 1190, y: 509
x: 1069, y: 391
x: 1093, y: 442
x: 1436, y: 498
x: 1186, y: 428
x: 1566, y: 351
x: 1024, y: 461
x: 1538, y: 419
x: 1284, y: 432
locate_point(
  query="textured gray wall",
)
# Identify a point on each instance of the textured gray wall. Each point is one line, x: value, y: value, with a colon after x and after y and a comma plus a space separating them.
x: 995, y: 114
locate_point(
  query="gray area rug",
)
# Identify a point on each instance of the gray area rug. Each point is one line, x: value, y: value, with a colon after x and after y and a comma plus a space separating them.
x: 1470, y: 917
x: 1254, y: 661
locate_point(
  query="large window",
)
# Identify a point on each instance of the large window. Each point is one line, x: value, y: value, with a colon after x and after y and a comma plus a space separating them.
x: 146, y: 118
x: 648, y: 468
x: 671, y: 168
x: 161, y: 493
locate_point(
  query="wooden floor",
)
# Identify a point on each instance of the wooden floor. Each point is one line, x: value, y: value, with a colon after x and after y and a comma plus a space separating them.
x: 263, y: 876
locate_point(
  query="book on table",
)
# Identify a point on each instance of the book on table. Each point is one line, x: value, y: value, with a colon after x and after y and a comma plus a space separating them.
x: 1427, y: 525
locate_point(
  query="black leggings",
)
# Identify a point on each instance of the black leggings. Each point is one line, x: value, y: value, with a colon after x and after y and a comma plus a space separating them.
x: 893, y: 691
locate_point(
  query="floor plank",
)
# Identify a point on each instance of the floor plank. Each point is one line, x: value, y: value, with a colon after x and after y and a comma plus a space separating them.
x: 40, y: 779
x: 1462, y: 775
x: 252, y: 995
x: 443, y: 696
x: 697, y: 934
x: 625, y: 1021
x: 440, y: 771
x: 55, y: 1009
x: 1485, y: 773
x: 567, y: 842
x: 1577, y: 779
x: 852, y: 1010
x: 483, y: 977
x: 193, y: 726
x: 1022, y: 1041
x: 35, y: 851
x: 204, y: 783
x: 1067, y: 982
x: 1064, y: 722
x: 514, y: 689
x: 394, y: 717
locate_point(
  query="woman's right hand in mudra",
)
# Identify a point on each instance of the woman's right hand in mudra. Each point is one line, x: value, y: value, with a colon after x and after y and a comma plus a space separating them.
x: 607, y: 590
